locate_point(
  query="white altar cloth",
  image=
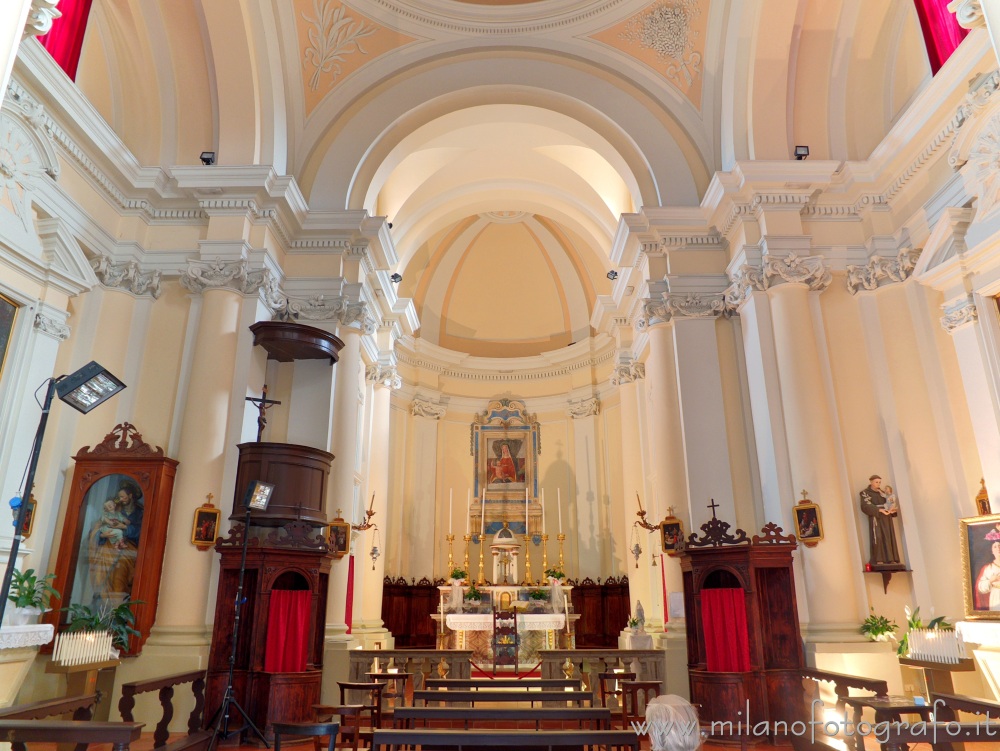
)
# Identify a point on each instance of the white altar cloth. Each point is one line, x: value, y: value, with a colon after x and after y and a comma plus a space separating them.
x: 525, y: 621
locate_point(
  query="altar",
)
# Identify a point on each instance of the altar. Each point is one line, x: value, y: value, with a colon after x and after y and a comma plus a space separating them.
x: 541, y: 624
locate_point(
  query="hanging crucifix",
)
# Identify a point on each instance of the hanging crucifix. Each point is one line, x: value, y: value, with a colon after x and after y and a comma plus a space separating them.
x: 262, y: 404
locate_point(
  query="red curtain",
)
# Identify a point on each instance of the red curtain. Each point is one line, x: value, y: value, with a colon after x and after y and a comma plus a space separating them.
x: 65, y: 40
x: 724, y: 626
x: 942, y: 34
x: 287, y: 631
x: 349, y: 609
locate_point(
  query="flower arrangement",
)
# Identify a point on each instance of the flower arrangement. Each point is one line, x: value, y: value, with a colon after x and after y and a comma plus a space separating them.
x: 27, y: 590
x: 878, y: 627
x: 538, y: 594
x: 458, y: 573
x: 632, y: 622
x: 554, y: 573
x: 473, y: 593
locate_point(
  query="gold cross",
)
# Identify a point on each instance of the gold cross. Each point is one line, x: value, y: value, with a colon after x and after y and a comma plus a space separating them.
x: 209, y: 497
x: 805, y: 496
x: 670, y: 510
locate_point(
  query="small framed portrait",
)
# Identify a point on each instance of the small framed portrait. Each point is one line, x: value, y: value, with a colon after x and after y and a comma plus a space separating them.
x: 29, y: 517
x: 808, y: 523
x: 671, y: 533
x: 340, y: 538
x: 980, y: 542
x: 983, y: 500
x: 205, y: 527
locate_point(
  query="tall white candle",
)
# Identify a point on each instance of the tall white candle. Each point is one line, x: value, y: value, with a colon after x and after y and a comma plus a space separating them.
x: 543, y: 511
x: 559, y: 507
x: 468, y: 509
x: 482, y: 517
x: 525, y: 511
x: 450, y: 491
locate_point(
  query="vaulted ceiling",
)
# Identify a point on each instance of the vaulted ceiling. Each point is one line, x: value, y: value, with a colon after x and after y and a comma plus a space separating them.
x: 502, y: 140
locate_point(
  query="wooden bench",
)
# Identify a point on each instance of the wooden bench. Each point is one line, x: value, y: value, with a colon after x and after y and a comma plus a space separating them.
x: 607, y: 740
x: 196, y: 738
x: 543, y: 718
x: 487, y: 683
x: 842, y: 683
x: 119, y: 734
x: 82, y: 708
x: 530, y: 697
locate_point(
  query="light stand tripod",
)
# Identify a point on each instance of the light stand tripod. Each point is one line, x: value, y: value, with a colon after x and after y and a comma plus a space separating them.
x: 220, y: 721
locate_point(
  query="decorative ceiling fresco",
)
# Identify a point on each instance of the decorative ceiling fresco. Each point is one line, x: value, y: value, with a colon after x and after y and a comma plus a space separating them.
x: 335, y: 40
x: 669, y: 37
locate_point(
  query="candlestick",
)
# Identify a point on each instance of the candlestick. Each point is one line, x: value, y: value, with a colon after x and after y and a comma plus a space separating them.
x: 526, y: 512
x: 559, y: 507
x: 482, y: 572
x: 451, y: 563
x: 545, y: 552
x: 482, y: 517
x: 465, y: 563
x: 562, y: 538
x: 527, y: 561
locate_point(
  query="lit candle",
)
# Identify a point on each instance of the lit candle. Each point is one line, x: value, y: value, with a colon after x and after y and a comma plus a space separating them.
x: 543, y: 511
x: 559, y: 507
x: 468, y: 509
x: 449, y: 509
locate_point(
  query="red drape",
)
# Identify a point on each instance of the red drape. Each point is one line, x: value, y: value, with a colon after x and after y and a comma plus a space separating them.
x: 349, y: 609
x: 287, y: 631
x: 65, y: 40
x: 724, y: 625
x: 942, y: 34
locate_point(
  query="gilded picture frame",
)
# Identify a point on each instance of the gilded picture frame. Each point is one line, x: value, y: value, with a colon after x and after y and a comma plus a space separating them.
x: 980, y: 543
x: 205, y: 526
x: 671, y: 534
x: 808, y: 523
x: 339, y: 538
x: 29, y: 517
x: 506, y: 442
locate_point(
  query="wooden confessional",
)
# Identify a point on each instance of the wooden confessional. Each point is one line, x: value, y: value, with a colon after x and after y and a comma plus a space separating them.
x: 279, y: 651
x: 739, y: 602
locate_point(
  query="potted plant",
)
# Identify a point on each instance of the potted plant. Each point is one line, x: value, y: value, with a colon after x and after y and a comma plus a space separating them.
x: 537, y: 599
x: 878, y: 628
x: 474, y: 598
x: 554, y: 573
x: 119, y: 620
x: 633, y: 624
x: 30, y: 595
x: 458, y: 574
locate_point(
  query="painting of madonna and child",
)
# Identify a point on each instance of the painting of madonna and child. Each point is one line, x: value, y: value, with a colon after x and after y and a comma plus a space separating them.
x: 109, y: 543
x: 505, y: 463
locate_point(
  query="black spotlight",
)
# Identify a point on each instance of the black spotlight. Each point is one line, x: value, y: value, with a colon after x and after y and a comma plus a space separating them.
x: 396, y: 277
x: 207, y: 157
x: 389, y: 225
x: 801, y: 152
x: 612, y: 275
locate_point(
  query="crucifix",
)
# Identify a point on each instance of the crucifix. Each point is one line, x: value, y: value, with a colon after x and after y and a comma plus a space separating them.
x: 713, y: 505
x: 262, y: 404
x: 805, y: 496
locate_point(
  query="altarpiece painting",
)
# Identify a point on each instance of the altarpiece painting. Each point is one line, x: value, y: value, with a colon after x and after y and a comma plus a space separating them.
x: 505, y: 446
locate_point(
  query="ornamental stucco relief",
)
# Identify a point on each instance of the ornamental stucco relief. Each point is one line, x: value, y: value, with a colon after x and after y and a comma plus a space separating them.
x: 127, y: 276
x: 880, y: 271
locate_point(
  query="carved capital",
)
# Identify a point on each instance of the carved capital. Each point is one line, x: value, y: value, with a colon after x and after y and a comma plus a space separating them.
x: 323, y: 308
x: 627, y: 372
x: 968, y: 13
x: 695, y: 305
x: 589, y: 407
x: 985, y: 158
x: 795, y: 269
x: 52, y: 327
x: 200, y: 276
x: 384, y: 375
x: 423, y: 408
x: 881, y: 271
x: 959, y: 314
x: 127, y: 276
x: 40, y: 18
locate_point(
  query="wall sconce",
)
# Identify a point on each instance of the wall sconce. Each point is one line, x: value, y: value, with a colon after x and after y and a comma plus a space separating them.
x: 612, y: 275
x: 208, y: 158
x: 801, y: 152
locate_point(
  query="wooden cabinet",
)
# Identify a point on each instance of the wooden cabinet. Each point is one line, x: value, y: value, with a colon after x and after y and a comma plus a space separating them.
x: 115, y: 529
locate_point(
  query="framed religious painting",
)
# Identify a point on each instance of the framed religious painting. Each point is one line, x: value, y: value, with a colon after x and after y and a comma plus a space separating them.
x: 506, y: 443
x: 115, y: 530
x: 808, y: 523
x: 205, y: 527
x: 671, y: 533
x: 980, y: 541
x: 8, y: 316
x: 340, y: 537
x: 29, y: 517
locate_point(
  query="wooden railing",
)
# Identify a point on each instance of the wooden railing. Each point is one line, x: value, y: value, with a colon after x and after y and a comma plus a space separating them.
x: 843, y: 683
x: 165, y: 686
x: 118, y: 734
x: 82, y: 708
x: 585, y: 664
x: 422, y: 663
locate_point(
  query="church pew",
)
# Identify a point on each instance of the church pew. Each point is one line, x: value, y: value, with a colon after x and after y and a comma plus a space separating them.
x: 530, y: 697
x: 390, y: 740
x: 196, y: 738
x: 82, y: 708
x: 119, y: 734
x: 480, y: 718
x: 477, y: 683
